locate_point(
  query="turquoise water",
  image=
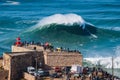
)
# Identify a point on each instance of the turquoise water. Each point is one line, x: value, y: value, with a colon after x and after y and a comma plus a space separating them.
x: 90, y: 26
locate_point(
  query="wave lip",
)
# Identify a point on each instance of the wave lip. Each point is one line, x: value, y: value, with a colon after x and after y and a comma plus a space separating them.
x: 64, y: 19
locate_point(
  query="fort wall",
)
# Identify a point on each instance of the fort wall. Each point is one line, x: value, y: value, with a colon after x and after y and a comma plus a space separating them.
x: 62, y: 58
x: 3, y: 74
x: 20, y: 49
x: 27, y: 48
x: 18, y: 62
x: 6, y: 61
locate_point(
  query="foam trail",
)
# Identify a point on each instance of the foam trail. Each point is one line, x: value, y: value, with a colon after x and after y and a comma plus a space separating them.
x: 83, y: 26
x: 93, y: 35
x: 11, y: 3
x: 115, y: 28
x: 9, y: 29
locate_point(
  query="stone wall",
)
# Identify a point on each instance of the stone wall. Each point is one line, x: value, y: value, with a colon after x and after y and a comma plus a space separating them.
x: 34, y: 47
x: 27, y: 48
x: 62, y: 58
x: 6, y: 61
x: 20, y: 49
x: 1, y: 62
x: 19, y: 61
x: 3, y: 74
x: 28, y: 76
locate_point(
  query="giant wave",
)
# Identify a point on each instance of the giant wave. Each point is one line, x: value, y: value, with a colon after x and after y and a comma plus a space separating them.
x: 69, y: 23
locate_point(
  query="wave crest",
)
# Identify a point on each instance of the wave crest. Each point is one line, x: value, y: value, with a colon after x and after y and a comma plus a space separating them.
x: 68, y: 23
x: 64, y: 19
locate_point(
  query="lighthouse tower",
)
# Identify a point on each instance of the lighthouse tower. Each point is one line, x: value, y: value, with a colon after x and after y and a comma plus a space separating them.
x: 18, y: 42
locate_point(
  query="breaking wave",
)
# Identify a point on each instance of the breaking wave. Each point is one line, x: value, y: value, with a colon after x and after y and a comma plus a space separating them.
x: 66, y: 25
x: 69, y: 23
x: 67, y: 19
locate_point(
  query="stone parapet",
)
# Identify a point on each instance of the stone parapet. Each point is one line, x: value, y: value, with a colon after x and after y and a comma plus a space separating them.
x: 20, y: 49
x: 27, y: 48
x: 62, y: 58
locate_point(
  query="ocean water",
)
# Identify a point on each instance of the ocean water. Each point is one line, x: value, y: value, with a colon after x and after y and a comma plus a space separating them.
x: 90, y: 26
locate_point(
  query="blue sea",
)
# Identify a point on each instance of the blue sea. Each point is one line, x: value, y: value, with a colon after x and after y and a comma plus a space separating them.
x: 90, y: 26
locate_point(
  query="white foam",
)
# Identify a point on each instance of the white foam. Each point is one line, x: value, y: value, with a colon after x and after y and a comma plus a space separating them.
x: 94, y: 36
x: 9, y: 29
x: 117, y: 50
x: 11, y: 3
x: 106, y: 62
x: 116, y: 28
x: 1, y: 32
x: 66, y: 19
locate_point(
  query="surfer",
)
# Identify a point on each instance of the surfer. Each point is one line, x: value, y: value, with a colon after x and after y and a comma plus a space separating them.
x: 93, y: 35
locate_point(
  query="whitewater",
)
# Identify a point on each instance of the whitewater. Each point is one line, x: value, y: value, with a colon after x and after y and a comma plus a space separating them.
x: 92, y: 27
